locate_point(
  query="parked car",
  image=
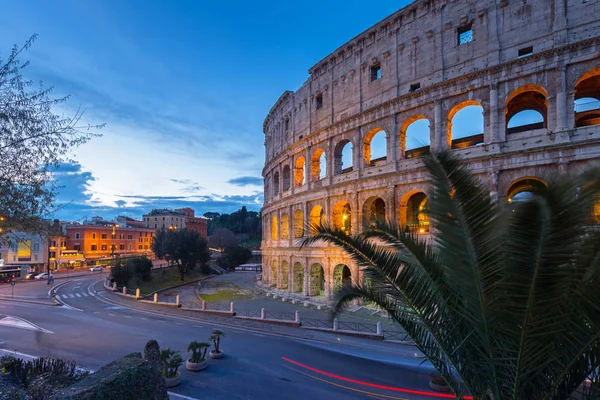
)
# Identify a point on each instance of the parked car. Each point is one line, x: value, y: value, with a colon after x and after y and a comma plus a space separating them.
x: 44, y: 275
x: 96, y: 268
x: 30, y: 276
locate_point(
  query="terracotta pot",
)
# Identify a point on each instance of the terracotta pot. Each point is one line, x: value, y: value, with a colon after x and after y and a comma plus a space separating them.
x: 190, y: 366
x: 172, y: 382
x: 220, y: 354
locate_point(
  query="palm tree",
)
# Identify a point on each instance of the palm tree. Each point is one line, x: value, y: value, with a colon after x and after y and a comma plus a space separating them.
x: 503, y: 299
x: 198, y: 350
x: 216, y: 338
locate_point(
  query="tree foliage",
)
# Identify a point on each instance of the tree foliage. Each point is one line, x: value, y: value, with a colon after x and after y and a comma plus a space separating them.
x: 222, y: 238
x: 233, y: 256
x: 34, y: 141
x: 138, y: 268
x: 239, y: 222
x: 505, y: 298
x: 183, y: 247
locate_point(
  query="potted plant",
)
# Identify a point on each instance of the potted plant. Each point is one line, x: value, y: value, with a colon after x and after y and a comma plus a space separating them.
x: 216, y: 338
x: 197, y: 362
x: 170, y: 361
x: 439, y: 383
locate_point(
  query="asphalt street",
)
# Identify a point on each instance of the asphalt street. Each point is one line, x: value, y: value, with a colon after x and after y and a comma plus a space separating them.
x: 93, y: 328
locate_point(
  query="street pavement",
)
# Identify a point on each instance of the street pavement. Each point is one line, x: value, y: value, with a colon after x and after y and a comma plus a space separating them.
x: 94, y: 327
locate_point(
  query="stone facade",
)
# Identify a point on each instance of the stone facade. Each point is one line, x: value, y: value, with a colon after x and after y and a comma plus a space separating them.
x: 426, y: 63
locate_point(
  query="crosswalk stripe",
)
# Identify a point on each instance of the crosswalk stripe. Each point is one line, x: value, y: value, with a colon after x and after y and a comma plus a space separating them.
x: 84, y: 294
x: 77, y: 294
x: 72, y: 296
x: 57, y: 296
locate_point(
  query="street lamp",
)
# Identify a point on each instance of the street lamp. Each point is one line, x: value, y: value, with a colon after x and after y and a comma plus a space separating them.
x: 112, y: 246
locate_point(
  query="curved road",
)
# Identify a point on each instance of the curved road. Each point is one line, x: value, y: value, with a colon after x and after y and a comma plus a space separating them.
x: 93, y: 328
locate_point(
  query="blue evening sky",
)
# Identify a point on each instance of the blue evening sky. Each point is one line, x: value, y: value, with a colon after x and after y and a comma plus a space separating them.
x: 183, y: 87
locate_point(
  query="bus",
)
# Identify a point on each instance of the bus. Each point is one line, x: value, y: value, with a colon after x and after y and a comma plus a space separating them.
x: 9, y: 273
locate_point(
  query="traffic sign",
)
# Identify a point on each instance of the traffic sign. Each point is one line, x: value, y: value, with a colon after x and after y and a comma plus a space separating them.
x: 13, y: 283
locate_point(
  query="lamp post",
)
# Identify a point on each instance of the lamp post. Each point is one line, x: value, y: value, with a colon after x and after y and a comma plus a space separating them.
x: 113, y: 241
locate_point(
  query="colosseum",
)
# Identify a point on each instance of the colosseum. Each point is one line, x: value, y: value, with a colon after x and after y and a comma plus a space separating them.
x: 512, y: 86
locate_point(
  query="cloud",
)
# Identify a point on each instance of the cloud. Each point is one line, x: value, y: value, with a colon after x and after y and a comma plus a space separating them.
x: 246, y: 180
x: 120, y: 203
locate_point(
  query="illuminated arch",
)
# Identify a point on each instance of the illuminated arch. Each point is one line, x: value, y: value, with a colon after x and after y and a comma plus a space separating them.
x: 284, y: 275
x: 524, y: 188
x: 415, y: 136
x: 414, y: 216
x: 317, y: 280
x: 298, y: 224
x: 317, y: 218
x: 342, y: 276
x: 286, y: 178
x: 285, y: 226
x: 343, y: 151
x: 375, y: 146
x: 373, y: 212
x: 465, y: 124
x: 587, y: 99
x: 342, y: 217
x: 318, y: 165
x: 274, y: 227
x: 298, y: 278
x: 300, y: 171
x: 530, y: 102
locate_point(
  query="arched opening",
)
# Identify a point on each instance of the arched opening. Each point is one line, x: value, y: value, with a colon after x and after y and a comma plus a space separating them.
x: 285, y: 226
x: 587, y: 99
x: 342, y: 276
x: 298, y: 278
x: 318, y: 165
x: 417, y: 219
x: 597, y: 210
x: 274, y: 227
x: 373, y: 212
x: 300, y: 171
x: 526, y: 109
x: 276, y: 183
x: 465, y: 125
x: 524, y: 189
x: 317, y: 218
x: 342, y: 217
x: 375, y: 147
x: 342, y: 157
x: 286, y: 178
x: 298, y: 224
x: 317, y: 280
x: 284, y: 275
x: 274, y: 274
x: 415, y: 136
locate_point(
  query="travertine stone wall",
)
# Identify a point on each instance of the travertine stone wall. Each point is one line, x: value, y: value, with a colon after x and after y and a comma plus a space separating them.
x: 515, y: 55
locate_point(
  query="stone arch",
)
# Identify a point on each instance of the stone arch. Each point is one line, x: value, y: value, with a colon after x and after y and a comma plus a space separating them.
x: 285, y: 226
x: 274, y: 227
x: 317, y: 165
x: 587, y: 99
x: 276, y: 183
x: 342, y: 276
x: 317, y: 280
x: 466, y: 112
x: 530, y: 102
x: 342, y: 216
x: 286, y: 178
x: 523, y: 188
x: 298, y: 278
x: 317, y: 218
x: 375, y: 140
x: 343, y: 150
x: 373, y: 211
x: 300, y: 171
x: 415, y: 136
x: 274, y: 274
x: 285, y: 270
x: 413, y: 217
x: 298, y: 224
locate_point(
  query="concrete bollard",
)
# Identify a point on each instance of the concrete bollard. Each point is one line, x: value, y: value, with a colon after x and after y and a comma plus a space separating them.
x: 203, y: 306
x: 114, y: 286
x: 336, y: 324
x: 262, y: 313
x: 306, y: 304
x: 124, y: 290
x: 231, y: 307
x: 177, y: 301
x: 379, y: 330
x: 156, y: 297
x: 297, y: 317
x: 284, y: 299
x: 137, y: 293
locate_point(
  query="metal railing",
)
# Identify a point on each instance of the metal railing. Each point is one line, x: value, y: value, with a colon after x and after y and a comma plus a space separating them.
x: 248, y: 313
x: 357, y: 327
x: 282, y: 316
x: 316, y: 323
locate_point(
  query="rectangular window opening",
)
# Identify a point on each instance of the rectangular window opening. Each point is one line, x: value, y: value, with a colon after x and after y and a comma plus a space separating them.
x: 319, y: 101
x: 465, y: 35
x: 375, y: 72
x: 415, y: 86
x: 287, y: 124
x: 525, y: 51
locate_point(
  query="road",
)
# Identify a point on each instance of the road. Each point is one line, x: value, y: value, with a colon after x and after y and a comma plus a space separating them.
x: 94, y: 328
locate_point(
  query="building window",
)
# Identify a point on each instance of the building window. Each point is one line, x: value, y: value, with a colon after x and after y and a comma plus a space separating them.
x: 129, y: 237
x: 93, y: 236
x: 104, y: 236
x: 415, y: 86
x: 375, y: 72
x: 103, y: 247
x: 35, y: 257
x: 140, y: 247
x: 526, y: 51
x: 94, y: 247
x: 121, y: 236
x: 36, y: 247
x: 319, y: 101
x: 77, y: 236
x: 287, y: 124
x: 465, y: 35
x: 77, y: 247
x: 155, y: 226
x: 121, y: 247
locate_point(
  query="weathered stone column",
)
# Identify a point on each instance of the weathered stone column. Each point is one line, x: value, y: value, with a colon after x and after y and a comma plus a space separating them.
x: 308, y: 167
x: 561, y: 99
x: 306, y: 286
x: 392, y: 142
x: 494, y: 185
x: 357, y: 152
x: 437, y: 141
x: 328, y: 276
x: 329, y: 160
x: 357, y: 226
x: 493, y: 135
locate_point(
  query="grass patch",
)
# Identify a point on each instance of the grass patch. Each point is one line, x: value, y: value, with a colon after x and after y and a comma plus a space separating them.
x: 165, y: 277
x: 224, y: 295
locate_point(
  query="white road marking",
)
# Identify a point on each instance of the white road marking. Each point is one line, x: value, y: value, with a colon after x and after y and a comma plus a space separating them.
x: 16, y: 322
x: 71, y: 296
x: 258, y: 334
x: 58, y: 296
x: 145, y: 319
x: 77, y: 294
x: 112, y: 315
x: 180, y: 396
x: 127, y: 316
x: 198, y: 326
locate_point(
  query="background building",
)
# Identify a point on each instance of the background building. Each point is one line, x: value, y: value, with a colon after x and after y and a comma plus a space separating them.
x: 345, y: 149
x: 33, y: 251
x: 164, y: 219
x: 193, y: 223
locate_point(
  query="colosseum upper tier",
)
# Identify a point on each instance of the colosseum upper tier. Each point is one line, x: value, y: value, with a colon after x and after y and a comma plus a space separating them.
x: 512, y: 86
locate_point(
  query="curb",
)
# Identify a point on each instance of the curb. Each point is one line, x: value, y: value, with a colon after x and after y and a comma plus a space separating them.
x: 271, y: 321
x: 178, y: 285
x: 32, y: 302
